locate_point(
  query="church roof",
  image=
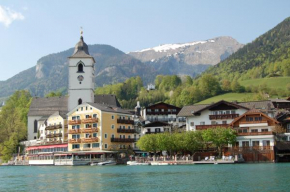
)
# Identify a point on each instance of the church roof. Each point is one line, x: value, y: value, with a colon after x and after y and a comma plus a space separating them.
x: 107, y: 99
x: 46, y: 106
x: 108, y: 108
x: 81, y: 50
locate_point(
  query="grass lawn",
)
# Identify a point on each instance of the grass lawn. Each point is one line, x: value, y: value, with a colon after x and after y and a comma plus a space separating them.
x: 227, y: 97
x: 272, y: 82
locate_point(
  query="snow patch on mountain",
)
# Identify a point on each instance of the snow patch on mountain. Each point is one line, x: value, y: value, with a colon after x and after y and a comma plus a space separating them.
x: 166, y: 47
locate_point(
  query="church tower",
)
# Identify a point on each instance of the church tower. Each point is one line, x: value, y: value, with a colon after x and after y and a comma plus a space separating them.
x: 81, y: 75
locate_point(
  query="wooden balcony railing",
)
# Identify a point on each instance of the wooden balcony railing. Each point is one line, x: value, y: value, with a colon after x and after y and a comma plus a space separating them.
x: 54, y: 142
x: 51, y: 127
x: 90, y: 140
x: 125, y: 121
x: 126, y: 140
x: 57, y: 135
x: 126, y: 130
x: 249, y: 148
x: 203, y: 127
x: 74, y: 122
x: 256, y: 133
x: 90, y: 120
x: 89, y: 130
x: 49, y: 136
x: 74, y: 141
x: 74, y: 131
x: 223, y: 116
x: 252, y: 122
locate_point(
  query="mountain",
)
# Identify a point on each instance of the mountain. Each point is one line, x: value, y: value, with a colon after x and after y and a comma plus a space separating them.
x: 51, y: 71
x: 266, y: 56
x: 188, y: 58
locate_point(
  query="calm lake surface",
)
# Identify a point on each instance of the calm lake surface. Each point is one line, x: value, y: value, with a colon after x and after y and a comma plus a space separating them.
x: 235, y: 177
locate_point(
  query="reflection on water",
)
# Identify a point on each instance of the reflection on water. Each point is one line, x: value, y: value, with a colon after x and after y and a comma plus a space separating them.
x: 242, y: 177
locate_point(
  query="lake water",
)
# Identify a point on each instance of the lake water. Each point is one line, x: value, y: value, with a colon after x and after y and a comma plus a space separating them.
x: 235, y: 177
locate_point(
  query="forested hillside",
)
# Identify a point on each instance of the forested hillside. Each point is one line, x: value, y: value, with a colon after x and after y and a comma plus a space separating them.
x: 266, y: 56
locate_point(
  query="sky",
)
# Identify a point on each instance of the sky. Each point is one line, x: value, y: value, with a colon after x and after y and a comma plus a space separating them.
x: 32, y: 29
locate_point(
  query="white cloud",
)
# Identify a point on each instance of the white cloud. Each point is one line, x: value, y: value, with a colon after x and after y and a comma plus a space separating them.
x: 7, y: 16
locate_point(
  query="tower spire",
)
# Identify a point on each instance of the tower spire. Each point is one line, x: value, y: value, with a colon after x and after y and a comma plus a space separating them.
x: 82, y: 31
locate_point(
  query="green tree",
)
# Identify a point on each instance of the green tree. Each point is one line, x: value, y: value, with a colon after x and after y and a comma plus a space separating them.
x: 13, y: 123
x: 193, y: 141
x: 219, y: 137
x: 53, y: 94
x: 149, y: 143
x: 209, y: 85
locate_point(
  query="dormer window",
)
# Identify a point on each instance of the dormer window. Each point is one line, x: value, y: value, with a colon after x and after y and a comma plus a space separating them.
x: 80, y: 68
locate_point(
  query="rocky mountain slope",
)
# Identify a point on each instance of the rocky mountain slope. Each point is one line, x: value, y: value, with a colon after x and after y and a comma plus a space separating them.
x: 51, y: 71
x: 188, y: 58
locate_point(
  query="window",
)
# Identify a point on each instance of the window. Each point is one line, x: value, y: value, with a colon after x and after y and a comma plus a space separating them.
x: 169, y: 110
x: 202, y: 123
x: 288, y: 128
x: 255, y: 143
x: 156, y: 110
x: 192, y: 123
x: 224, y: 122
x: 76, y: 146
x: 87, y: 116
x: 106, y: 146
x: 95, y: 125
x: 96, y: 145
x: 264, y: 130
x: 174, y: 110
x: 113, y: 136
x: 129, y: 127
x: 254, y: 130
x: 106, y: 135
x: 228, y: 112
x: 35, y: 126
x: 80, y: 101
x: 88, y: 126
x: 233, y: 112
x: 124, y: 127
x: 258, y: 118
x: 95, y: 115
x: 245, y: 143
x: 249, y: 118
x: 80, y: 68
x: 88, y: 135
x: 75, y: 136
x: 162, y: 110
x: 148, y: 110
x: 95, y: 134
x: 113, y: 117
x: 86, y: 108
x: 87, y: 145
x: 157, y: 130
x: 213, y: 122
x: 266, y: 143
x: 113, y: 126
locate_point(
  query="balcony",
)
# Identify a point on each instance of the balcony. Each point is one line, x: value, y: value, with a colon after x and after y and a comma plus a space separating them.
x: 224, y: 116
x: 74, y: 141
x: 90, y: 120
x: 89, y: 130
x: 57, y: 135
x: 204, y: 127
x: 256, y: 133
x: 49, y: 136
x: 125, y: 121
x: 74, y: 131
x: 90, y: 140
x: 51, y: 127
x: 253, y: 123
x: 161, y: 112
x: 74, y: 122
x: 126, y: 130
x: 53, y: 142
x: 122, y: 140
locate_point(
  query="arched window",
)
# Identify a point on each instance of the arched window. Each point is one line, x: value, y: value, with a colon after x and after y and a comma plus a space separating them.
x: 80, y: 101
x: 35, y: 126
x: 80, y: 68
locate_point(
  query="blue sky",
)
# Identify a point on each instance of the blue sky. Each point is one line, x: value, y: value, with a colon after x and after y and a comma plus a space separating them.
x: 32, y: 29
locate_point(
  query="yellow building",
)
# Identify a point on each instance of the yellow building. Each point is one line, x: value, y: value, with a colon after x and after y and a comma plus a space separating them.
x: 98, y: 127
x: 56, y: 129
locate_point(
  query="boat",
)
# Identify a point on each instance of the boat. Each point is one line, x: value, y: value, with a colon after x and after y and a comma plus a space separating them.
x: 136, y: 163
x: 157, y: 163
x: 110, y: 162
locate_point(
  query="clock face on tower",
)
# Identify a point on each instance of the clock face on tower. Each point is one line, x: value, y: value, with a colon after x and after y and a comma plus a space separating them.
x: 80, y: 78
